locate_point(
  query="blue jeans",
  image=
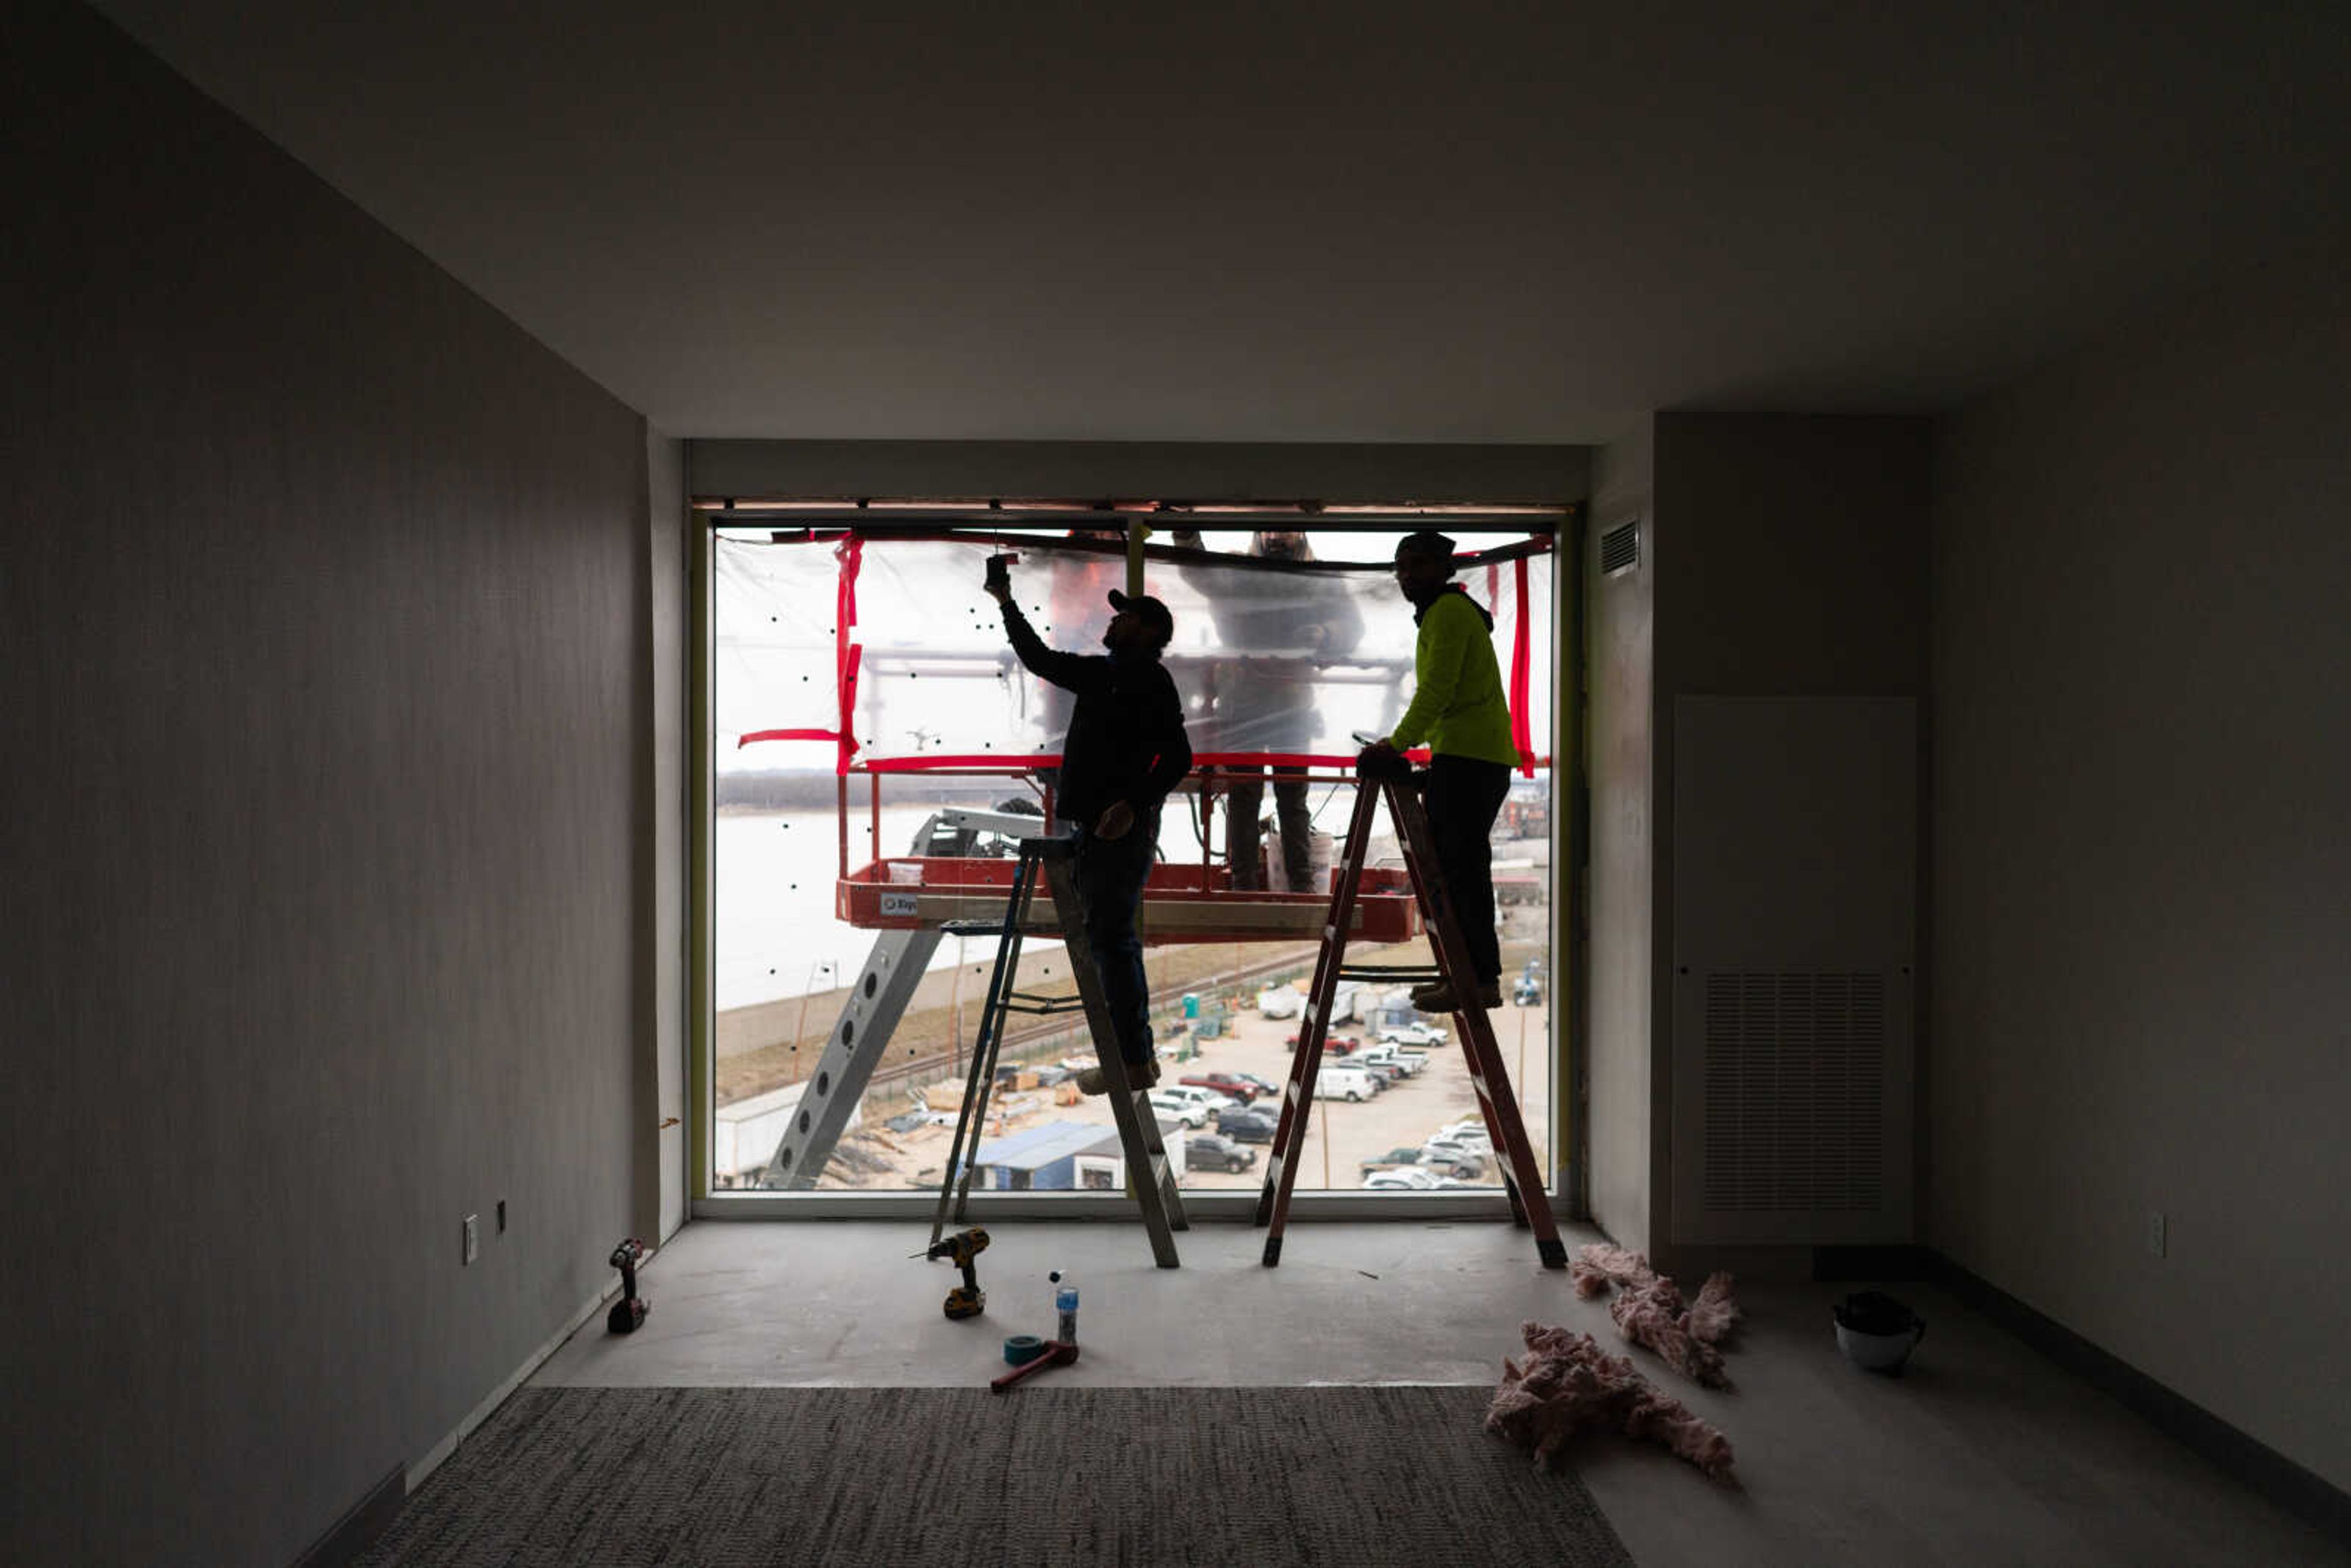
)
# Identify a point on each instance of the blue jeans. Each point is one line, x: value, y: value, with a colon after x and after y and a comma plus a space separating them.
x: 1110, y: 877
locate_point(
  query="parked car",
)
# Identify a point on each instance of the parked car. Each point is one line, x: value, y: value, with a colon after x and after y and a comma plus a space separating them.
x: 1405, y: 1062
x: 1423, y: 1034
x: 1463, y: 1137
x: 1252, y: 1124
x: 1386, y: 1071
x: 1168, y: 1102
x: 1263, y: 1088
x: 1343, y: 1083
x: 1336, y: 1044
x: 1456, y: 1155
x: 1401, y: 1154
x: 1206, y: 1151
x: 1403, y: 1179
x: 1232, y: 1085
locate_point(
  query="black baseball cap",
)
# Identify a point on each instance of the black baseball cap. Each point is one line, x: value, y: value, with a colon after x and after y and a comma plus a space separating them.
x: 1427, y: 542
x: 1148, y: 611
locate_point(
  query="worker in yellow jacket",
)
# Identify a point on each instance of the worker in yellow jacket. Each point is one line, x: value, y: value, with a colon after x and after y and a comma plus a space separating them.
x: 1459, y: 708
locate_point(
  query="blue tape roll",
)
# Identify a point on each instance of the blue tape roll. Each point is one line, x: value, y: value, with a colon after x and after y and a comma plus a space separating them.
x: 1021, y: 1349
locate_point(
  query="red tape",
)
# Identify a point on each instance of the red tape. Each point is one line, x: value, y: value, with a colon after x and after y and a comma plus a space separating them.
x: 1010, y: 761
x: 1521, y: 725
x: 847, y: 653
x: 1017, y: 761
x: 787, y: 735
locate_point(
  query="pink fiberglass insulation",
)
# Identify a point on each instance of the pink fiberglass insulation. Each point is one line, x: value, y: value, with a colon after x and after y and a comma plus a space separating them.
x: 1567, y: 1384
x: 1649, y: 1309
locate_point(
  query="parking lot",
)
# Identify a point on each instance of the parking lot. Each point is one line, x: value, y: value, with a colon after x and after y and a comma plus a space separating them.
x: 1341, y: 1134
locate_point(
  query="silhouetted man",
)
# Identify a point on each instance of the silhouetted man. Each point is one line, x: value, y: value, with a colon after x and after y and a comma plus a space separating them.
x: 1459, y: 708
x: 1125, y: 750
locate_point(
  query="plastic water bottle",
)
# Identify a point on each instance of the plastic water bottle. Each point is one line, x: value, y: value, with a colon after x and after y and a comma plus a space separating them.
x: 1065, y: 1307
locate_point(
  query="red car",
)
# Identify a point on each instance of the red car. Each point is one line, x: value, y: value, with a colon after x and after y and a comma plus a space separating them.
x: 1241, y: 1089
x: 1336, y: 1044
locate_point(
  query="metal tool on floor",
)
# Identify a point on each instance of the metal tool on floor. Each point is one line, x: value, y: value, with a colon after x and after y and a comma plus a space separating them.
x: 1387, y: 778
x: 628, y: 1313
x: 966, y: 1300
x: 1055, y: 1353
x: 1151, y: 1176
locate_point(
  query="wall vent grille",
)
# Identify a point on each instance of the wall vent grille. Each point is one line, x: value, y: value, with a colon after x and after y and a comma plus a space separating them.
x: 1795, y: 1068
x: 1620, y: 548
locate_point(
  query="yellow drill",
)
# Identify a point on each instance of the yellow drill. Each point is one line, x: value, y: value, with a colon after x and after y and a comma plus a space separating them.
x: 966, y: 1300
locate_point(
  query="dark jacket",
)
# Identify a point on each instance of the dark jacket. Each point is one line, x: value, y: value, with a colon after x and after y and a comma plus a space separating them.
x: 1126, y: 740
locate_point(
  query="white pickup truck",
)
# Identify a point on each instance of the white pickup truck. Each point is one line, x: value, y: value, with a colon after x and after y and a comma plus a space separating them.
x: 1406, y: 1062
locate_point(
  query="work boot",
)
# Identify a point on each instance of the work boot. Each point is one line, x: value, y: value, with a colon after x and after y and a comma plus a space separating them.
x: 1091, y: 1080
x: 1438, y: 997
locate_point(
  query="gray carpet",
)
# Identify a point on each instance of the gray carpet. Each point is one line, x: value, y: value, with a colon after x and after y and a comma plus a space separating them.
x: 717, y: 1476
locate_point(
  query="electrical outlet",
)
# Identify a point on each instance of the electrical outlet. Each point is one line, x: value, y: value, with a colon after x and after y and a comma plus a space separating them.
x: 2154, y: 1233
x: 473, y: 1237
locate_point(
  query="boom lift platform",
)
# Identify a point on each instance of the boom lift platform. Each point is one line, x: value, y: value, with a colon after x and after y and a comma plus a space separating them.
x: 877, y: 998
x: 944, y: 887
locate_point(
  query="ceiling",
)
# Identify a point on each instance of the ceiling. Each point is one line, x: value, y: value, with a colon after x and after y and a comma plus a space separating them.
x: 1466, y: 223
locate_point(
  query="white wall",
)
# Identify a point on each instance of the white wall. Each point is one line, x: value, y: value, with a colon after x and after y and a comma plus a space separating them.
x: 322, y: 597
x: 2142, y: 837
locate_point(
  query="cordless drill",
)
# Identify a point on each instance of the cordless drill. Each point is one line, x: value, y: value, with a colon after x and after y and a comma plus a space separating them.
x: 966, y: 1300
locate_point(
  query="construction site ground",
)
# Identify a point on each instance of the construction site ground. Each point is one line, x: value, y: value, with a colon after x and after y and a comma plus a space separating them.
x: 1340, y: 1136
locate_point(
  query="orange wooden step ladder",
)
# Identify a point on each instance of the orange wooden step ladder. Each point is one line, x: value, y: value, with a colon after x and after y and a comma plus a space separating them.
x: 1395, y: 783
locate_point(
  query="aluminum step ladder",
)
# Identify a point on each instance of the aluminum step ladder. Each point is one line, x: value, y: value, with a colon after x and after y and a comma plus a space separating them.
x: 1151, y: 1176
x: 1395, y: 784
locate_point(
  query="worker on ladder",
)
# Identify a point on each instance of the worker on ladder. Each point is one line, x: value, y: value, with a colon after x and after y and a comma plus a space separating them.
x: 1459, y: 708
x: 1125, y: 750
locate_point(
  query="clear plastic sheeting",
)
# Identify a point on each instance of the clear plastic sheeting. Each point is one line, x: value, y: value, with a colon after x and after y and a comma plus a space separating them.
x: 1275, y: 659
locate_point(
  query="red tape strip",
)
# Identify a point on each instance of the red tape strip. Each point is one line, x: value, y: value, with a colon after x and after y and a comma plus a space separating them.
x: 787, y: 734
x: 1521, y: 725
x: 847, y: 653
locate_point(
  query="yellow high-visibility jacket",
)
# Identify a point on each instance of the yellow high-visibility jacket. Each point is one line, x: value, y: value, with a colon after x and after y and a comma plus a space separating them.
x: 1457, y: 705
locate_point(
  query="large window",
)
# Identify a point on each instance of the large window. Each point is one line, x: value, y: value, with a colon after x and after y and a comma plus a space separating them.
x: 878, y: 752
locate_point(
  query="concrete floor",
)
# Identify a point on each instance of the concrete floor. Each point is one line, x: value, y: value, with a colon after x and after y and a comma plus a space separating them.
x: 1983, y: 1453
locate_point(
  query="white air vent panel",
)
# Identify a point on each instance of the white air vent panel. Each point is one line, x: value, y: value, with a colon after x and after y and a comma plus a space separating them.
x: 1794, y: 889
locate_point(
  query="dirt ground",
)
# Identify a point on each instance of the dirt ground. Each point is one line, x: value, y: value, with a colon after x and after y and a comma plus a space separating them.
x: 777, y: 1043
